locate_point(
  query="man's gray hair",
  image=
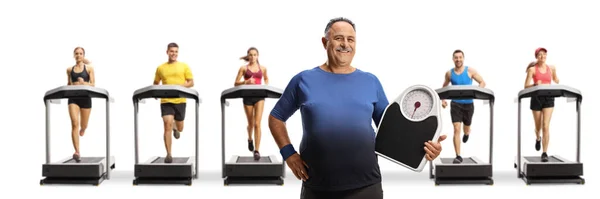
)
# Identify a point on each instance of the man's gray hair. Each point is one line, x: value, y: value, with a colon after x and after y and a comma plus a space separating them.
x: 334, y: 20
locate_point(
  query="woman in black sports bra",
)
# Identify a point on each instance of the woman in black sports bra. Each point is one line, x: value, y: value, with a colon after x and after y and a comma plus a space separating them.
x: 79, y: 108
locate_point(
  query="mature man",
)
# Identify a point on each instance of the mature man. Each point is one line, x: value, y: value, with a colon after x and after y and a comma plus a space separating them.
x: 338, y: 104
x: 461, y: 110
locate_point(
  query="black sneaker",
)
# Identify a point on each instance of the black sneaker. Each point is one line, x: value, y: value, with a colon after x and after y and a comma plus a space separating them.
x: 250, y: 145
x: 168, y: 159
x: 544, y: 157
x: 256, y: 155
x: 465, y: 138
x: 457, y: 160
x: 538, y: 144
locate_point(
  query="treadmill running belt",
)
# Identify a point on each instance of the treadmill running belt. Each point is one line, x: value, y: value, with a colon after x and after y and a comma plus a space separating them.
x: 86, y: 160
x: 175, y: 160
x: 539, y: 159
x: 251, y: 160
x: 465, y: 161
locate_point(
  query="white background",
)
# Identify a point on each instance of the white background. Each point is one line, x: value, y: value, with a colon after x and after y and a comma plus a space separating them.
x: 403, y: 44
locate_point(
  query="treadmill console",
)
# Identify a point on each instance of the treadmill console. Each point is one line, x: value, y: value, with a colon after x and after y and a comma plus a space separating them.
x: 243, y: 91
x: 550, y: 91
x: 165, y: 91
x: 76, y: 91
x: 465, y: 92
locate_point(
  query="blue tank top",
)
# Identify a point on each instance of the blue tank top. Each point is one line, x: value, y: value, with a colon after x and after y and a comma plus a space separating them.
x: 462, y: 79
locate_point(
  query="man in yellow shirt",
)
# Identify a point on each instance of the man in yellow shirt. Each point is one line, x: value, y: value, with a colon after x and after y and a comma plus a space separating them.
x: 172, y: 110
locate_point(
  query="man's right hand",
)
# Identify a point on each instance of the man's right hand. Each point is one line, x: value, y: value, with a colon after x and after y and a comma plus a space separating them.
x: 444, y: 104
x: 298, y: 166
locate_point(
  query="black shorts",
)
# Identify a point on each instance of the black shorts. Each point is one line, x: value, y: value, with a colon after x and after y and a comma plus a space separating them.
x: 539, y: 103
x: 81, y: 102
x: 177, y: 110
x: 374, y: 191
x: 462, y: 113
x: 250, y: 101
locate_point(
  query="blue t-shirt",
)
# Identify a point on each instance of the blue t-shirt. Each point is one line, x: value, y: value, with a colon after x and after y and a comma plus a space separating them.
x: 338, y: 141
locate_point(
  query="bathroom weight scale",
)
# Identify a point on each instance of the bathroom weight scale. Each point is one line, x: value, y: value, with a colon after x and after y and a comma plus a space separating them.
x: 409, y: 121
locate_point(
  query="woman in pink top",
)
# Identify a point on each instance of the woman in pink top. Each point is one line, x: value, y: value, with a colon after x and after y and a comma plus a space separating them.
x: 541, y: 73
x: 253, y: 73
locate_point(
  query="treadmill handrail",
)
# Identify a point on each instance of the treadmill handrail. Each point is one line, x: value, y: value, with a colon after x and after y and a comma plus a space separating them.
x: 234, y: 92
x: 87, y: 91
x: 554, y: 90
x: 149, y: 92
x: 470, y: 92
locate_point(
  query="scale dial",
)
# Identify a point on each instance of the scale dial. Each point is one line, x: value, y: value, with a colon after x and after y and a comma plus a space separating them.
x: 417, y: 104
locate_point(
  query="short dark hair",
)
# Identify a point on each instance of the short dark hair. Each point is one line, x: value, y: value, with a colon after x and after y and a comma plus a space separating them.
x: 458, y: 51
x: 338, y: 19
x: 172, y: 45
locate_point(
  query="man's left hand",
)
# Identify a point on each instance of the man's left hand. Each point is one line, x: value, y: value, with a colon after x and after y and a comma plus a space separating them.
x: 433, y: 149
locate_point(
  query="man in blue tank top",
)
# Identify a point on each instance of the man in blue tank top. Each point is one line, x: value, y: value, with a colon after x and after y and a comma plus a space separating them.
x: 461, y: 110
x: 338, y: 104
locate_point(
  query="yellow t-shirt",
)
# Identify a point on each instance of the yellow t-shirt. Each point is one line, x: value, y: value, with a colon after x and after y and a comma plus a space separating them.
x: 173, y: 74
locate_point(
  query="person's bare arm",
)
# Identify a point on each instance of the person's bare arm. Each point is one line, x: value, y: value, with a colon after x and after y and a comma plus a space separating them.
x: 529, y: 78
x: 446, y: 83
x: 446, y: 79
x: 92, y: 73
x: 477, y: 77
x: 285, y: 107
x: 279, y: 132
x: 554, y: 76
x: 69, y: 76
x: 265, y: 76
x: 188, y: 83
x: 239, y: 76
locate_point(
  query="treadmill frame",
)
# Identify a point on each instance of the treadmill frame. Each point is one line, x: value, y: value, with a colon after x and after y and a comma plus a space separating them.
x: 227, y: 180
x: 80, y: 91
x: 488, y: 180
x: 65, y: 169
x: 169, y: 90
x: 565, y: 92
x: 162, y: 176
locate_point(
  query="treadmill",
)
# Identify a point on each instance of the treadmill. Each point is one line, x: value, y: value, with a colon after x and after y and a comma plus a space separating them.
x: 155, y: 171
x: 244, y: 169
x: 557, y: 169
x: 90, y: 170
x: 472, y: 170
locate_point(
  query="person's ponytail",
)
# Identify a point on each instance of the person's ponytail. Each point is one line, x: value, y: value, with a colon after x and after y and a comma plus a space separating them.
x: 532, y: 64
